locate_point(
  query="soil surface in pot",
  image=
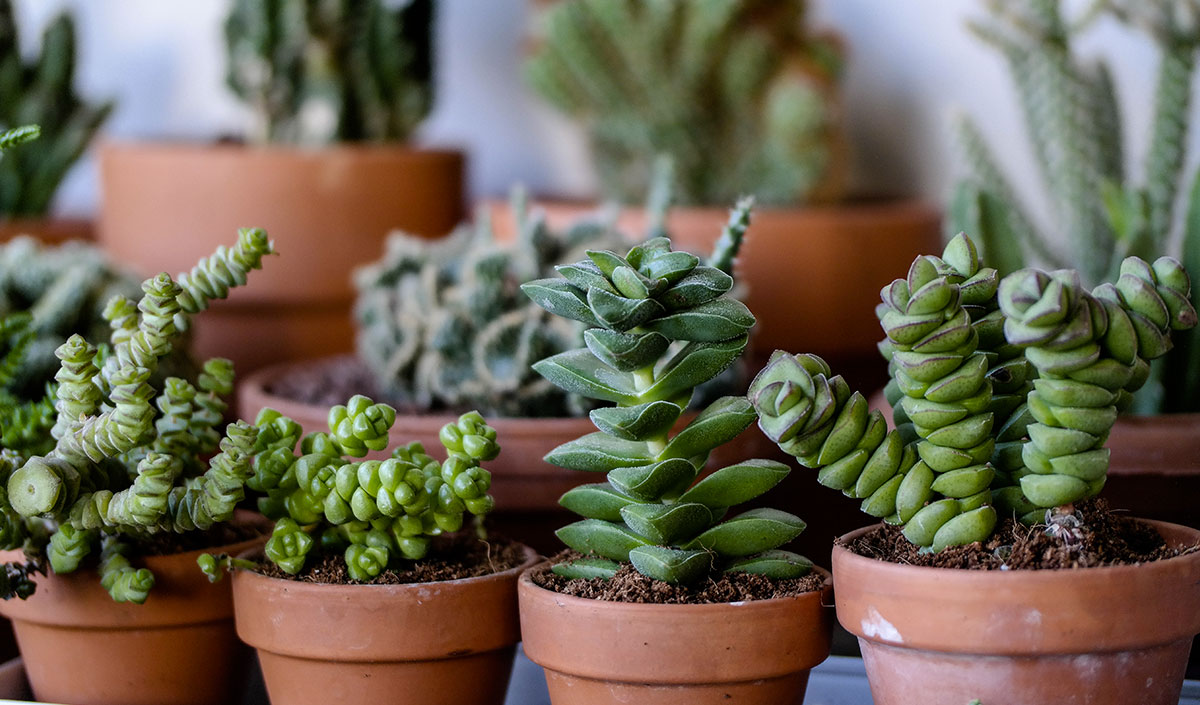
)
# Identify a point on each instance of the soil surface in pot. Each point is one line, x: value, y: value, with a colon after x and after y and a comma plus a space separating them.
x: 628, y: 585
x: 1099, y: 537
x: 450, y: 558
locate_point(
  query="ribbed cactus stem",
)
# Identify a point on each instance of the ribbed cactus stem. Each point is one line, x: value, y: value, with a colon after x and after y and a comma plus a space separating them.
x: 213, y: 276
x: 211, y: 498
x: 1168, y: 142
x: 78, y: 395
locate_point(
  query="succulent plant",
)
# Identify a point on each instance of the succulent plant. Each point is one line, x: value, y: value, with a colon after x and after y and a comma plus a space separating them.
x: 443, y: 324
x: 317, y: 72
x: 659, y: 324
x: 41, y: 91
x: 740, y: 94
x: 373, y: 511
x: 118, y: 470
x: 976, y: 430
x: 1073, y: 121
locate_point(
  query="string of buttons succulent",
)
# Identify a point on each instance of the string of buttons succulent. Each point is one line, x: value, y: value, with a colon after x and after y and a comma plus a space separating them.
x: 659, y: 323
x: 1003, y: 392
x: 376, y: 512
x: 123, y: 461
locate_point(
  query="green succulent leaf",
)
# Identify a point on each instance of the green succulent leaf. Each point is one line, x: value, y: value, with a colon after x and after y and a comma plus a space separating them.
x: 736, y: 484
x: 777, y: 564
x: 626, y: 351
x: 654, y: 481
x: 632, y: 423
x: 599, y: 452
x: 702, y: 285
x: 621, y: 313
x: 667, y: 523
x: 695, y: 364
x: 751, y: 532
x: 603, y: 538
x: 710, y: 322
x: 587, y: 569
x: 718, y: 424
x: 579, y: 372
x: 596, y: 501
x: 562, y: 299
x: 670, y: 565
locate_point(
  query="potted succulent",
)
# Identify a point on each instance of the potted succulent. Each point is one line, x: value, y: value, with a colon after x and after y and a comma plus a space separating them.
x: 1008, y: 391
x: 106, y: 501
x: 742, y: 99
x: 336, y: 90
x: 364, y: 591
x: 41, y: 90
x: 1105, y: 215
x: 748, y: 620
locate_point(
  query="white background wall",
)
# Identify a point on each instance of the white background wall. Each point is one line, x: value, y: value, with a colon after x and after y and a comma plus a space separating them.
x: 912, y: 63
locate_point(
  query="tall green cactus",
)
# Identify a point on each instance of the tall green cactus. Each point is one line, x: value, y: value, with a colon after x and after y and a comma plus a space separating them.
x: 316, y: 72
x: 976, y: 432
x: 1072, y: 117
x: 660, y: 323
x: 118, y: 470
x: 443, y: 324
x: 42, y: 92
x: 740, y: 94
x: 373, y: 511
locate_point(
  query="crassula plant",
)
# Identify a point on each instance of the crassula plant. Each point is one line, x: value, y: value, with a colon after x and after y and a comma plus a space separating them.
x: 326, y: 499
x: 125, y: 460
x: 660, y: 323
x: 1004, y: 391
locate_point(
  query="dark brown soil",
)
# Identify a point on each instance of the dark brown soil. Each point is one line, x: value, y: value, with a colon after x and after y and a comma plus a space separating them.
x: 329, y: 382
x: 1092, y: 536
x: 449, y: 558
x: 628, y: 585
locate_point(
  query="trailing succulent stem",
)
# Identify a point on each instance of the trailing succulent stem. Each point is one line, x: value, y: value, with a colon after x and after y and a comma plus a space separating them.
x: 124, y: 459
x: 1004, y: 392
x: 659, y: 323
x: 316, y: 72
x: 376, y: 512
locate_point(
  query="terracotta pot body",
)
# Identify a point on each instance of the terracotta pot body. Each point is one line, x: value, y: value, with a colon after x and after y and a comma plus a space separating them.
x: 1097, y: 636
x: 328, y: 210
x: 812, y: 274
x: 179, y: 648
x: 443, y: 643
x: 51, y: 231
x: 742, y: 653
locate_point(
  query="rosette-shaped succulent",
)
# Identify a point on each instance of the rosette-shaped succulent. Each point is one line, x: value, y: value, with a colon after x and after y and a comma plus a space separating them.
x: 1090, y: 352
x: 374, y: 511
x: 660, y: 323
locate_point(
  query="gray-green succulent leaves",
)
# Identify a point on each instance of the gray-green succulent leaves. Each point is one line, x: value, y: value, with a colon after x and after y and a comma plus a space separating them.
x: 660, y: 323
x: 1004, y: 392
x: 374, y: 511
x: 129, y: 460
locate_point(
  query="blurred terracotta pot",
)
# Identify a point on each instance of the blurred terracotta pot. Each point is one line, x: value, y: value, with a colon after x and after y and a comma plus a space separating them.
x: 1100, y: 636
x: 179, y: 648
x: 442, y: 643
x: 328, y: 210
x: 812, y: 274
x: 595, y: 652
x: 51, y: 231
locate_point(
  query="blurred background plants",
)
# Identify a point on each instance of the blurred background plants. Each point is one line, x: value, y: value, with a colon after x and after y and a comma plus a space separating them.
x: 316, y: 72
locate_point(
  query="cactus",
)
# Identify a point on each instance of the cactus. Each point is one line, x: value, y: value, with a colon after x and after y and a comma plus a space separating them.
x: 316, y: 72
x: 739, y: 94
x: 443, y: 324
x: 116, y: 470
x: 375, y: 512
x: 977, y: 432
x: 1072, y: 117
x: 42, y: 91
x: 649, y: 512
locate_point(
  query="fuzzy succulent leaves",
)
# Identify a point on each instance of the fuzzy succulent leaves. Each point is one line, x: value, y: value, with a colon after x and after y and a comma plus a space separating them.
x: 660, y: 325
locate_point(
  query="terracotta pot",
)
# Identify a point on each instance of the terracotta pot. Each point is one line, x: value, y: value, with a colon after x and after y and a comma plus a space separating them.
x: 595, y: 652
x: 51, y: 231
x: 813, y: 274
x: 442, y: 643
x: 328, y: 210
x: 1095, y: 636
x: 179, y: 648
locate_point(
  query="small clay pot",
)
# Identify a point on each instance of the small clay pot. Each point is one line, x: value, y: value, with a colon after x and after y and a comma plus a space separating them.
x: 179, y: 648
x: 443, y: 643
x: 1096, y: 636
x: 50, y: 231
x: 596, y: 652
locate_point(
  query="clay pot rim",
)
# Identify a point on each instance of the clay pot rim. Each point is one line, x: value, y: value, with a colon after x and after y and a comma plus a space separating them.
x: 532, y: 558
x: 186, y: 146
x: 865, y: 207
x: 982, y: 579
x: 635, y: 608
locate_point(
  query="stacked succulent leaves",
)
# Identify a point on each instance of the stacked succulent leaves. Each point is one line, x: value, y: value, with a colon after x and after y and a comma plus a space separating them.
x: 967, y: 405
x: 374, y: 511
x: 660, y: 323
x: 118, y: 470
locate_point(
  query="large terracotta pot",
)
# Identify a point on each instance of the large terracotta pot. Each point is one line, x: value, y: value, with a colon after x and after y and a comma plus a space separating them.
x: 1095, y: 636
x: 813, y: 274
x: 52, y: 231
x: 179, y: 648
x: 328, y: 210
x: 595, y: 652
x: 442, y: 643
